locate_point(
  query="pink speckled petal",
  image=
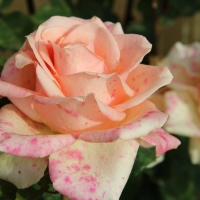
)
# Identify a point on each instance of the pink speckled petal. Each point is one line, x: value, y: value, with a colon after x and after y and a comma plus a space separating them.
x: 23, y: 137
x: 139, y: 121
x: 24, y: 75
x: 162, y: 140
x: 10, y: 90
x: 115, y: 29
x: 194, y: 150
x: 184, y: 117
x: 111, y: 89
x: 132, y: 50
x: 22, y: 172
x: 145, y: 80
x: 92, y: 171
x: 47, y: 84
x: 76, y: 58
x: 62, y: 114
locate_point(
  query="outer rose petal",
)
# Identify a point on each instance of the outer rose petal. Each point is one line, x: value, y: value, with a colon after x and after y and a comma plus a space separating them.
x: 62, y: 114
x: 92, y: 171
x: 23, y: 77
x: 184, y: 118
x: 111, y: 89
x: 140, y: 120
x: 194, y: 150
x: 22, y: 172
x: 145, y: 80
x: 162, y: 140
x: 23, y: 137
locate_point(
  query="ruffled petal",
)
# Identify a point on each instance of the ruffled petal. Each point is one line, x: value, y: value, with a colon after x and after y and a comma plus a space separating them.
x: 76, y: 58
x: 23, y: 137
x: 22, y: 172
x: 162, y: 140
x: 140, y: 120
x: 111, y: 89
x: 90, y: 113
x: 184, y: 117
x: 92, y: 171
x: 194, y: 150
x: 132, y: 50
x: 145, y: 80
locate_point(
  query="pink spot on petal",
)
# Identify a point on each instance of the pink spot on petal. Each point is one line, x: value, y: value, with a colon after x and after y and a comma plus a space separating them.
x: 75, y: 154
x: 86, y: 167
x: 67, y: 179
x: 33, y: 141
x: 92, y: 190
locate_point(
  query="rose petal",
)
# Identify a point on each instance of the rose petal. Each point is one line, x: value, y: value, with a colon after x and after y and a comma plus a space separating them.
x: 140, y: 120
x: 25, y: 105
x: 184, y: 117
x: 23, y: 137
x: 111, y: 89
x: 105, y: 45
x: 90, y: 113
x: 132, y: 50
x: 24, y: 75
x: 56, y: 27
x: 32, y: 43
x: 22, y: 172
x: 145, y: 80
x: 50, y: 88
x: 194, y: 150
x: 86, y: 170
x: 115, y: 29
x: 162, y: 140
x: 76, y: 58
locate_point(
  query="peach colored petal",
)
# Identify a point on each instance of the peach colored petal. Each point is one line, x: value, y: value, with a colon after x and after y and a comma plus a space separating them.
x: 158, y: 100
x: 111, y: 89
x: 25, y: 105
x: 162, y: 140
x: 145, y: 80
x: 62, y: 114
x: 93, y: 171
x: 22, y: 172
x: 184, y: 117
x: 115, y: 29
x: 76, y: 58
x: 194, y: 150
x: 41, y: 62
x: 139, y: 121
x: 105, y: 45
x: 55, y: 27
x: 24, y: 75
x: 132, y: 50
x: 47, y: 84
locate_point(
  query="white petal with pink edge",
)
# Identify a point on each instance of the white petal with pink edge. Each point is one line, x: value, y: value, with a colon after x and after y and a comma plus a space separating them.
x: 93, y: 171
x: 22, y: 172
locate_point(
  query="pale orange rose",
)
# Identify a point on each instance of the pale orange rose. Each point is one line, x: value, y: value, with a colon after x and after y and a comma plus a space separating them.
x: 79, y: 96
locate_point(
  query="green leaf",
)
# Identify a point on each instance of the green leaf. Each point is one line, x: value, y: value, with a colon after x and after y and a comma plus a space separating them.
x: 5, y: 4
x: 7, y: 190
x: 144, y: 157
x: 29, y: 194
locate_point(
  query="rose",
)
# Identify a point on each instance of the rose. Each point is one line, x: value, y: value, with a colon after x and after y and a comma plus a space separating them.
x: 79, y: 97
x: 181, y: 98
